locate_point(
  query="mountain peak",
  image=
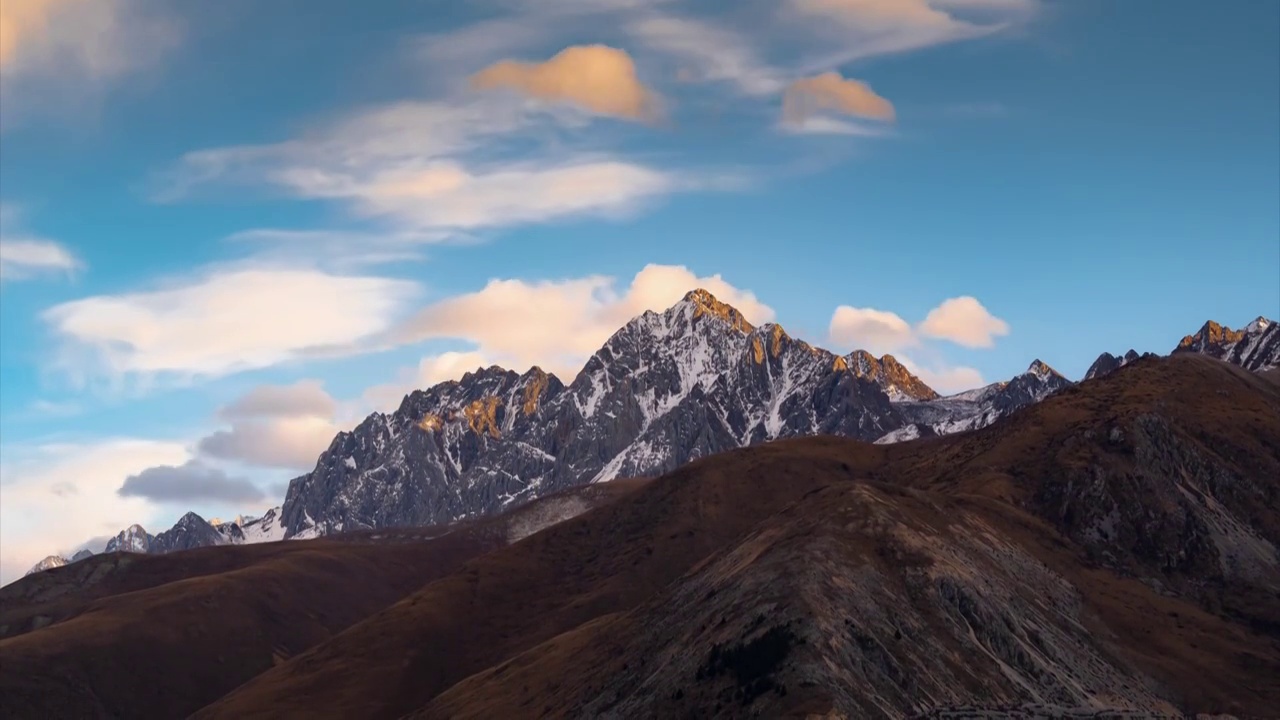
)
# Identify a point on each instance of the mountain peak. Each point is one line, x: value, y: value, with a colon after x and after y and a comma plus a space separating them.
x: 1041, y: 369
x: 704, y: 303
x: 1211, y: 334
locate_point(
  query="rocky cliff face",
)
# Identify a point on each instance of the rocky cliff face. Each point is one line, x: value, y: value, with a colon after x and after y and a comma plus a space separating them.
x: 667, y: 388
x: 1256, y: 347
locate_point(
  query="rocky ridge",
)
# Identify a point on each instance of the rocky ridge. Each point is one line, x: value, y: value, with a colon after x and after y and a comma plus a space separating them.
x: 665, y: 389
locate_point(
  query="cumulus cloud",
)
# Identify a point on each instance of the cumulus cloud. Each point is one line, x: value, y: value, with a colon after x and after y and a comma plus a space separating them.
x: 876, y: 331
x: 598, y: 78
x: 964, y: 321
x: 275, y: 426
x: 557, y: 324
x: 807, y: 97
x: 53, y: 495
x: 224, y: 322
x: 192, y: 481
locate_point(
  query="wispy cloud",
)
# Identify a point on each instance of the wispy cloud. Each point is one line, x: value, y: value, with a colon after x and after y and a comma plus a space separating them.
x: 24, y: 256
x: 57, y: 53
x: 221, y: 322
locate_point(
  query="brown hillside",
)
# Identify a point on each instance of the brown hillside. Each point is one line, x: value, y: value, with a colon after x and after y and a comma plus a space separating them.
x: 159, y: 636
x: 1111, y: 548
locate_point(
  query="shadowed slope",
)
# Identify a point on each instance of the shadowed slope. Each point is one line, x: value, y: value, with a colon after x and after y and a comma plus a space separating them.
x: 1111, y: 548
x: 144, y: 636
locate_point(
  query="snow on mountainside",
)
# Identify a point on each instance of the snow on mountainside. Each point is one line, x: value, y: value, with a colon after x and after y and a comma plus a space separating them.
x: 665, y: 389
x: 978, y: 408
x: 1256, y: 347
x: 50, y: 562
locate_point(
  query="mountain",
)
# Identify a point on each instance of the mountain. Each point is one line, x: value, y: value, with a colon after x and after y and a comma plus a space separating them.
x: 1256, y: 347
x: 133, y: 539
x: 128, y: 635
x: 665, y: 389
x: 1110, y: 551
x: 978, y: 408
x: 48, y: 563
x: 1108, y: 363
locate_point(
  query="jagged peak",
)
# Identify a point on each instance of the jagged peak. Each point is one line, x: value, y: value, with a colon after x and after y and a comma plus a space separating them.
x: 1041, y: 369
x: 704, y: 303
x: 1211, y: 333
x: 1259, y: 324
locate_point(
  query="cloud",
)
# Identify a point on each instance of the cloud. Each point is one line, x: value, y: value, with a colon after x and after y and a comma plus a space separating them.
x: 305, y: 398
x: 598, y: 78
x: 876, y: 331
x: 808, y: 97
x: 278, y: 426
x: 53, y: 495
x: 945, y: 380
x: 433, y: 170
x: 55, y: 50
x: 863, y: 28
x: 964, y: 321
x: 557, y: 324
x: 224, y: 322
x: 708, y: 53
x: 23, y: 256
x: 192, y: 481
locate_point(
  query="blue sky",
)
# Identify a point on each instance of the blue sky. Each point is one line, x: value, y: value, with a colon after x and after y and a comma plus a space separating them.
x: 232, y: 229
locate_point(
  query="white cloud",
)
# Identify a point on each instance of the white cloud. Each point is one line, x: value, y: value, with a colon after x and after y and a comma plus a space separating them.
x: 275, y: 426
x: 876, y: 331
x: 964, y: 321
x: 440, y: 168
x: 24, y: 256
x: 224, y: 322
x: 52, y: 497
x: 557, y: 324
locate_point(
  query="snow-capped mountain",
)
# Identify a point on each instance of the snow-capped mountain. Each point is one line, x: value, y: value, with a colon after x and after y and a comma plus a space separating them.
x: 48, y: 563
x: 977, y: 408
x: 1256, y: 347
x: 665, y: 389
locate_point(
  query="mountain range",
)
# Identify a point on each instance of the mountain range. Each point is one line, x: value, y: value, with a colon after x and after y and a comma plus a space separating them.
x: 1109, y: 551
x: 666, y: 389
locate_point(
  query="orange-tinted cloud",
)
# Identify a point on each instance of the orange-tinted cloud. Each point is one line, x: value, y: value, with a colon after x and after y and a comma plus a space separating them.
x: 829, y: 91
x: 599, y: 78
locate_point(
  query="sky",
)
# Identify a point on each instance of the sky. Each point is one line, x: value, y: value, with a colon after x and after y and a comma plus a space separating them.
x: 230, y: 230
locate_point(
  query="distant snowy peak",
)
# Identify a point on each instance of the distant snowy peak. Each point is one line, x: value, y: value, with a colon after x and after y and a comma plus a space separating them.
x: 133, y: 539
x: 48, y: 563
x: 1255, y: 348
